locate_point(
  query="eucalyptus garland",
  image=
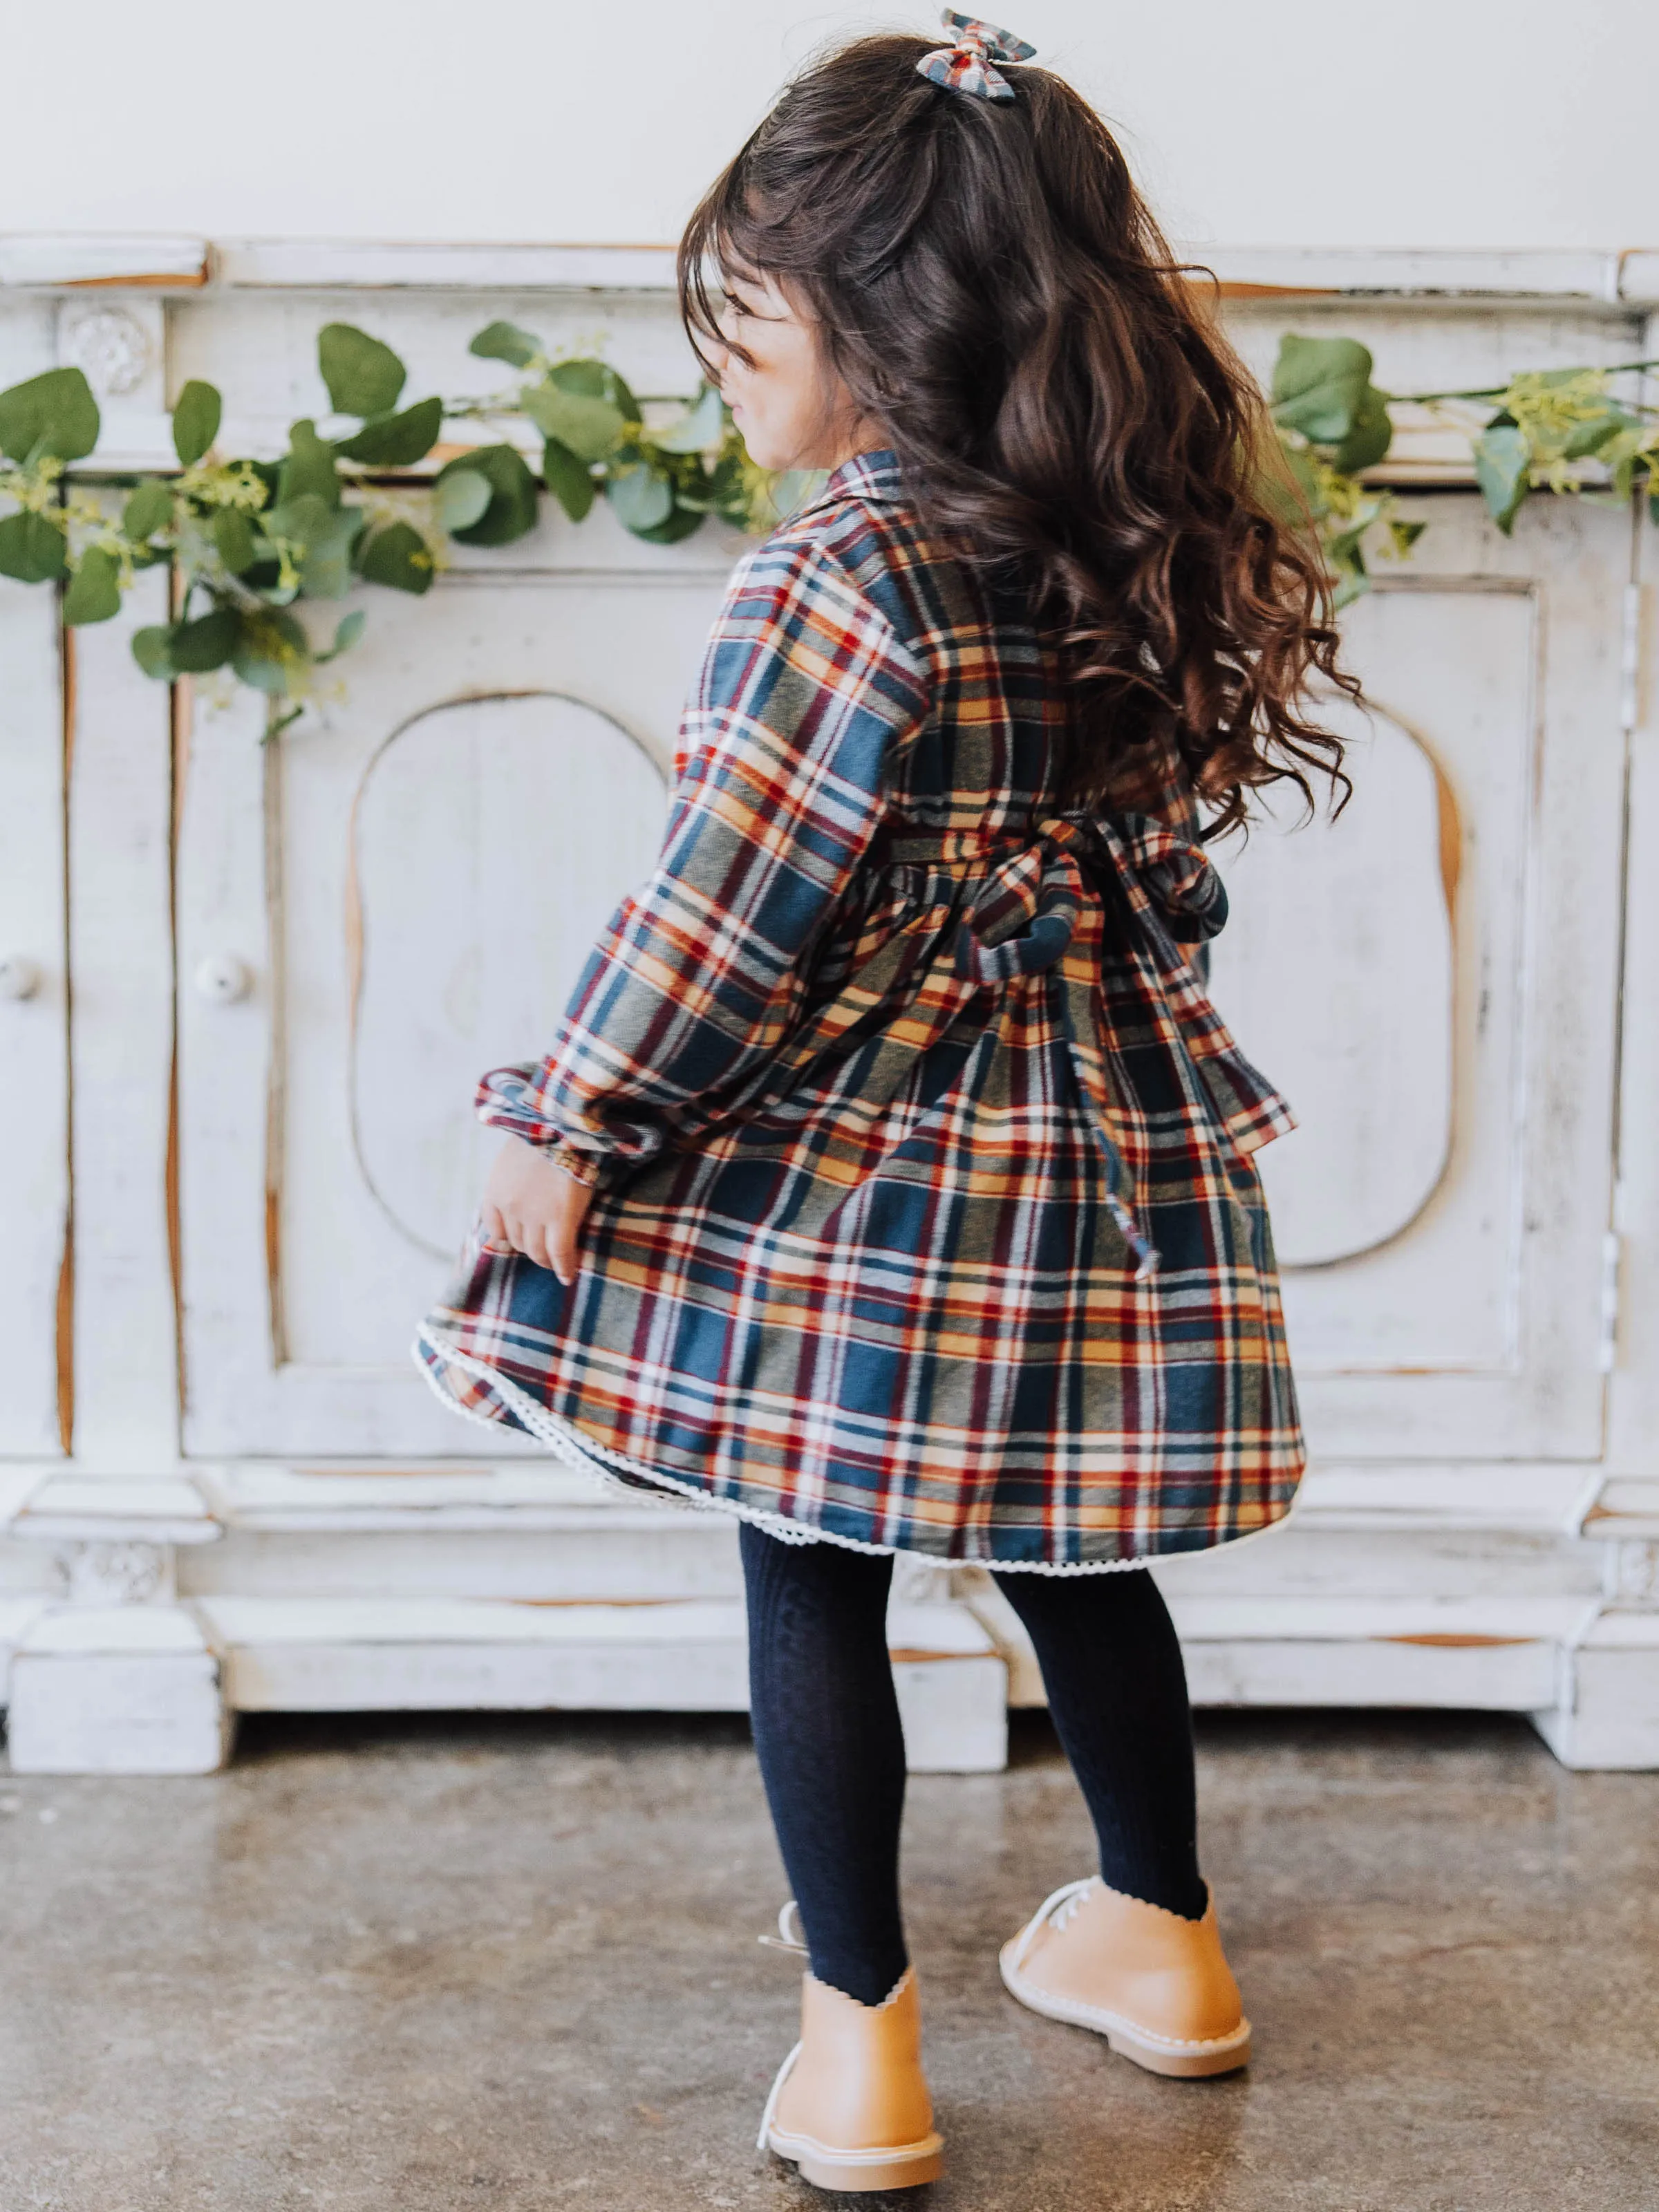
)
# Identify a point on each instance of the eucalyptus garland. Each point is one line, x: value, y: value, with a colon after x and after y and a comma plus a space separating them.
x: 249, y: 538
x: 1542, y: 430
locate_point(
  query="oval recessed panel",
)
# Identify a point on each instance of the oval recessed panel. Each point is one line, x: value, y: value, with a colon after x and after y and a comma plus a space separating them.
x: 1336, y: 974
x: 494, y: 839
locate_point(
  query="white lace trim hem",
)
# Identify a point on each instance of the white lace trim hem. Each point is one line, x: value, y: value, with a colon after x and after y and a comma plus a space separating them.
x: 602, y: 1461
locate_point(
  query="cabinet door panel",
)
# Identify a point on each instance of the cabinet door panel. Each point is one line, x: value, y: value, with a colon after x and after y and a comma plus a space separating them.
x: 1430, y: 979
x: 414, y: 887
x: 33, y: 1048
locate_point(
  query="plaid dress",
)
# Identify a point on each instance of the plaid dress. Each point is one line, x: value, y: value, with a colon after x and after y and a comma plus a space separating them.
x: 923, y: 1214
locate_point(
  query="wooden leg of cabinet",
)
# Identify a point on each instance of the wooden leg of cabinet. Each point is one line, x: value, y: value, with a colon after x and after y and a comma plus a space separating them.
x: 129, y: 1690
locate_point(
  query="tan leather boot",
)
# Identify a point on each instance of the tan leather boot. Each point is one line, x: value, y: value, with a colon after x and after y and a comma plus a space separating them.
x: 1155, y: 1985
x: 850, y: 2105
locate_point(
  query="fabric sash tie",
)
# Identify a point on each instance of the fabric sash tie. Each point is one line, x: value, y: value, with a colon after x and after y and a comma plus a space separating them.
x: 1024, y: 917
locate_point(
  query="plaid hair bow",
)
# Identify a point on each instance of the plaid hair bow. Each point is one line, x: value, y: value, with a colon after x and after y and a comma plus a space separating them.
x: 966, y: 66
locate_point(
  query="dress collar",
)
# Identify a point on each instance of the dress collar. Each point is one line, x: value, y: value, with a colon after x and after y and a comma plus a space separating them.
x: 874, y: 475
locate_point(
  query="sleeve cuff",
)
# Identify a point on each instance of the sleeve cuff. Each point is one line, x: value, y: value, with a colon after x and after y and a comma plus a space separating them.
x: 581, y: 1167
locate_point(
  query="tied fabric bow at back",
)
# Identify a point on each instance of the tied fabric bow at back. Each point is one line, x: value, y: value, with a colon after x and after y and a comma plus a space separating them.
x: 967, y: 65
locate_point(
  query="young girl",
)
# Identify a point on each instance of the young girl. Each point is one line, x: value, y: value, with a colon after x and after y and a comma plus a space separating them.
x: 888, y: 1186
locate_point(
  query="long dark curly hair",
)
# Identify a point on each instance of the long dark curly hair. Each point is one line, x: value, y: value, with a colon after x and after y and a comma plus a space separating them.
x: 994, y: 291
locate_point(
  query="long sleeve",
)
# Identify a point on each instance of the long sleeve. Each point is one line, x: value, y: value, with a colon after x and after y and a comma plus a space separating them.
x: 780, y: 776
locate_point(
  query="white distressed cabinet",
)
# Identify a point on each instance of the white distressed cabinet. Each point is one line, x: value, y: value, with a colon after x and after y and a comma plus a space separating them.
x: 246, y: 991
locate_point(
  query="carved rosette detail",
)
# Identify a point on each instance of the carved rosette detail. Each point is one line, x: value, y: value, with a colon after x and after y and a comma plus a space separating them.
x: 1632, y: 1574
x: 107, y: 1573
x: 111, y: 346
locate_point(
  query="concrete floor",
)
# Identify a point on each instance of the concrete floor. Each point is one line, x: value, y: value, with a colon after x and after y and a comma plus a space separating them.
x: 415, y: 1965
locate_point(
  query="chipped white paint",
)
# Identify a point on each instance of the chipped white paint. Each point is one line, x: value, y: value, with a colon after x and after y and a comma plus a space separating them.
x: 515, y: 821
x: 121, y: 964
x: 491, y: 784
x: 33, y: 1045
x: 359, y: 1655
x: 1338, y: 965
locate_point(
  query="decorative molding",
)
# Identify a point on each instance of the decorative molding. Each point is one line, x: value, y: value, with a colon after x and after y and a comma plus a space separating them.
x: 34, y: 260
x: 115, y: 1573
x: 1611, y: 278
x: 73, y: 1509
x: 300, y: 265
x: 109, y: 345
x: 1632, y: 1574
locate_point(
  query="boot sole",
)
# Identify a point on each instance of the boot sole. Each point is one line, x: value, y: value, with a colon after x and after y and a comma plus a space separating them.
x: 1221, y: 2054
x: 905, y: 2166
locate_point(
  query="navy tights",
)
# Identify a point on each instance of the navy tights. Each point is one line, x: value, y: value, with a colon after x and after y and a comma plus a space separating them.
x: 832, y: 1749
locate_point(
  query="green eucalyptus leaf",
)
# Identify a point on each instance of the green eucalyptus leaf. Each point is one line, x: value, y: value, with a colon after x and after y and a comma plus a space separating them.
x: 680, y: 523
x: 148, y: 508
x: 363, y: 376
x: 1591, y: 437
x: 398, y: 556
x: 196, y: 647
x: 512, y: 496
x: 271, y: 652
x: 702, y: 427
x: 195, y: 418
x: 305, y: 521
x: 1369, y: 438
x: 1319, y: 386
x: 505, y: 342
x: 53, y: 413
x: 152, y: 650
x: 31, y: 548
x: 95, y: 589
x: 588, y: 426
x: 595, y: 379
x: 1623, y: 455
x: 1501, y: 464
x: 326, y: 564
x: 568, y: 479
x: 460, y: 499
x: 397, y: 441
x: 349, y: 629
x: 308, y: 467
x: 233, y: 539
x: 731, y: 489
x: 643, y: 499
x: 1404, y: 535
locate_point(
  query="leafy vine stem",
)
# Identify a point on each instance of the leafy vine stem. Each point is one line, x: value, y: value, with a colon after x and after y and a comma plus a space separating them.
x: 250, y: 538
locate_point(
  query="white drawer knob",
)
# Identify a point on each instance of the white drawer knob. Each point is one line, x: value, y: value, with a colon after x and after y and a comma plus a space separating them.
x: 19, y: 978
x: 223, y: 978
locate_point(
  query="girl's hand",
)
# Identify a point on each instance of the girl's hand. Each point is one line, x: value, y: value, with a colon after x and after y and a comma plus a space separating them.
x: 531, y: 1207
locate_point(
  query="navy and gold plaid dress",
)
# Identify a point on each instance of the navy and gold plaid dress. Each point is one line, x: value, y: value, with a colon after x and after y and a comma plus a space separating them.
x: 923, y: 1213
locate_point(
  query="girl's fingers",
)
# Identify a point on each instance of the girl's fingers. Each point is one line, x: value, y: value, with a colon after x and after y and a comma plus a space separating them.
x: 545, y: 1227
x: 561, y: 1253
x: 565, y: 1235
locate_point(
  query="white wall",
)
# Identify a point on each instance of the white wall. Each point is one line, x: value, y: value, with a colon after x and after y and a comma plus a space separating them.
x: 1425, y: 122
